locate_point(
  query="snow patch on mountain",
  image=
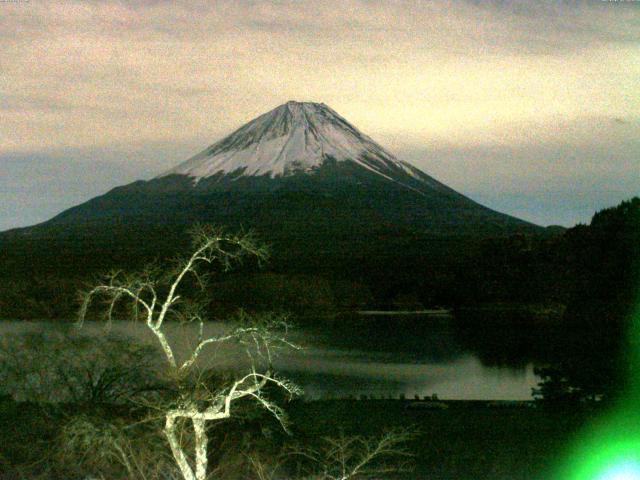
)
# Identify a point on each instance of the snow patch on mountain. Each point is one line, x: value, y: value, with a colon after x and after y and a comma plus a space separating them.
x: 294, y: 137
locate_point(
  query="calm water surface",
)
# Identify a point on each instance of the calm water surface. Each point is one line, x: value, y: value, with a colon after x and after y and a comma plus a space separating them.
x: 385, y: 358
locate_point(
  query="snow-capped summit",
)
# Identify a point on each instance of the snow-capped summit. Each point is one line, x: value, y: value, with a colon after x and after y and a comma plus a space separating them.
x: 292, y: 138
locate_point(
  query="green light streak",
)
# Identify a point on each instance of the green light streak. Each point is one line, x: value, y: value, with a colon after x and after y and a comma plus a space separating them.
x: 622, y: 471
x: 609, y: 448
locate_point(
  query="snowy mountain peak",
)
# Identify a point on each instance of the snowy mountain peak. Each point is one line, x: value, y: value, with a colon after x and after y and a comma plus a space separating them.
x: 294, y: 137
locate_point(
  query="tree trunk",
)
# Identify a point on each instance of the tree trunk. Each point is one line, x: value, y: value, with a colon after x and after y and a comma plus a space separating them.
x: 176, y: 449
x: 199, y: 428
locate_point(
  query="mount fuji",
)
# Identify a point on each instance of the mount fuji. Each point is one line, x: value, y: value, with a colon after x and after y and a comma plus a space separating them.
x: 296, y: 138
x: 321, y: 192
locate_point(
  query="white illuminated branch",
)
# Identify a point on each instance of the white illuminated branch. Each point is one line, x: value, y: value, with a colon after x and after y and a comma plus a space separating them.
x: 155, y: 297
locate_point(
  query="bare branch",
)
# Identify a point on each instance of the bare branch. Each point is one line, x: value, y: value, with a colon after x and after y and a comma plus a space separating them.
x: 159, y: 295
x: 113, y: 293
x: 350, y: 457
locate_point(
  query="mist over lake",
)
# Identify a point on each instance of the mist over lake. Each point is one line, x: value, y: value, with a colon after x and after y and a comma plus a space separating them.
x: 423, y: 360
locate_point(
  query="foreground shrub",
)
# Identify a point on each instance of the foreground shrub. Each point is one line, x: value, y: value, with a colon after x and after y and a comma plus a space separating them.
x: 65, y: 366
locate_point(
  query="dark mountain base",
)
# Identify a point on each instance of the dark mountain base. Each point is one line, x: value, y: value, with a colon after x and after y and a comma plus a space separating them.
x: 350, y: 227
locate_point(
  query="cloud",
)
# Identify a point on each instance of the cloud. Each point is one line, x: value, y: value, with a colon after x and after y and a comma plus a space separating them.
x: 581, y: 167
x: 100, y: 73
x: 35, y: 186
x: 124, y: 76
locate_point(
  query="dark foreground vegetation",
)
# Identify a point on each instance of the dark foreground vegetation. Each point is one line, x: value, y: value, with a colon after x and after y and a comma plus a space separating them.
x: 81, y: 406
x: 462, y: 443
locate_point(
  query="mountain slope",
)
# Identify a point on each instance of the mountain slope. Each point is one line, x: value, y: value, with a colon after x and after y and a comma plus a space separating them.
x: 310, y: 183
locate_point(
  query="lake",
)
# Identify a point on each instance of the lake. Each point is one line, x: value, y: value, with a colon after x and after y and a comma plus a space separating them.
x: 384, y: 357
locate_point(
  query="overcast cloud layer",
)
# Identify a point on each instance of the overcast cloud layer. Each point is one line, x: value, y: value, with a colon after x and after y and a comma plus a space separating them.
x: 530, y: 108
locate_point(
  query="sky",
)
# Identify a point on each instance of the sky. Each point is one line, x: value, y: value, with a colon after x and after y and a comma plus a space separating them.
x: 530, y: 108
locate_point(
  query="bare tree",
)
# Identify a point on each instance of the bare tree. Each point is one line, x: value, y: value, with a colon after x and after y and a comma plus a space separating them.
x: 157, y: 297
x: 59, y: 365
x: 358, y: 457
x: 343, y: 458
x: 108, y: 448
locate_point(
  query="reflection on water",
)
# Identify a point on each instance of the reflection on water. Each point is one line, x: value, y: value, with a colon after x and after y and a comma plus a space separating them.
x: 385, y: 358
x: 465, y: 378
